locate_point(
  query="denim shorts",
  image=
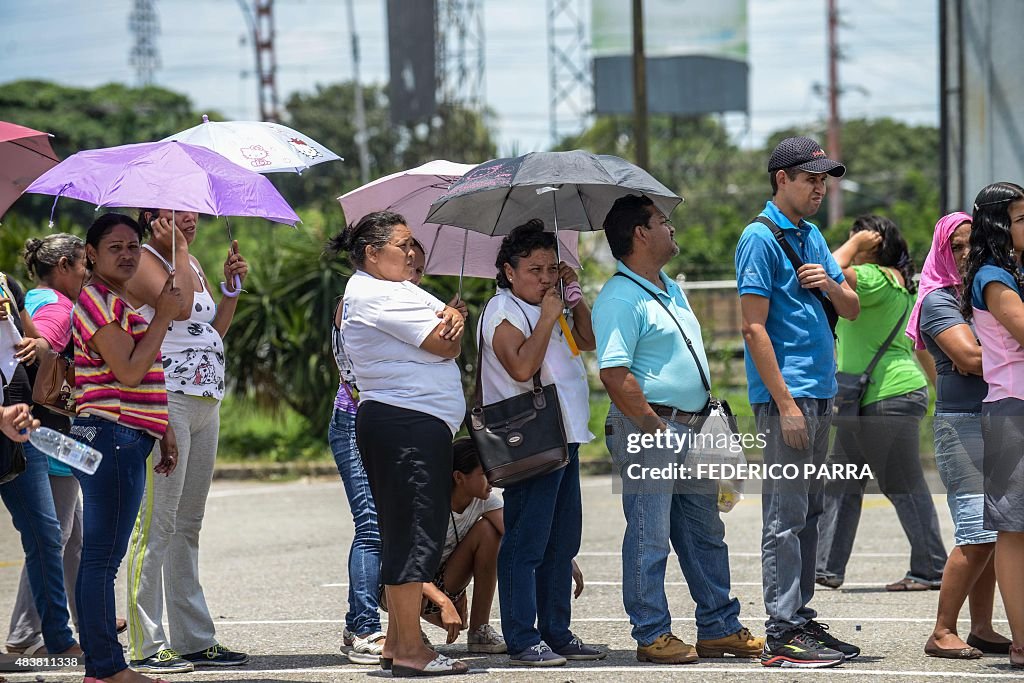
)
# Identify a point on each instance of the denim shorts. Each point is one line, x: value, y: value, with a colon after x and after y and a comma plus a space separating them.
x: 959, y: 454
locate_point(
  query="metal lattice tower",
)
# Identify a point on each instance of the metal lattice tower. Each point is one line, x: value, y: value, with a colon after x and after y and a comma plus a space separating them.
x: 144, y: 23
x: 266, y: 60
x: 570, y: 80
x: 460, y: 53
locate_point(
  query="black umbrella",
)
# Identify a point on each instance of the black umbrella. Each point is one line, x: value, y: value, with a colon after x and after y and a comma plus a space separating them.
x: 498, y: 195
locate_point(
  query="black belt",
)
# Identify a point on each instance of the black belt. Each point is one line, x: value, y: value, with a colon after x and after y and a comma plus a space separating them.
x: 676, y: 415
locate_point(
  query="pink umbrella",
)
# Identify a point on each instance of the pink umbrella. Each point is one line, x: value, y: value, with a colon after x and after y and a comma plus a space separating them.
x: 25, y: 154
x: 450, y: 250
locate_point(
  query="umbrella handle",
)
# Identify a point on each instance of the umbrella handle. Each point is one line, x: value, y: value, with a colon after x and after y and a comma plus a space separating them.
x: 231, y: 293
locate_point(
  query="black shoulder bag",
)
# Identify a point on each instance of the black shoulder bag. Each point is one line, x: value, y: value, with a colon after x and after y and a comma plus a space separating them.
x: 787, y: 248
x: 520, y: 437
x: 853, y: 386
x: 712, y: 402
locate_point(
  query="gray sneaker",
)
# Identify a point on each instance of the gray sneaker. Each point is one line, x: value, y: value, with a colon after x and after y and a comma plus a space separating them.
x: 538, y: 655
x: 577, y: 650
x: 485, y: 640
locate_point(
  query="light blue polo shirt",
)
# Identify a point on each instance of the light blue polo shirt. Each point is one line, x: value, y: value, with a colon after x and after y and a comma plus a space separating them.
x: 634, y: 331
x: 797, y: 325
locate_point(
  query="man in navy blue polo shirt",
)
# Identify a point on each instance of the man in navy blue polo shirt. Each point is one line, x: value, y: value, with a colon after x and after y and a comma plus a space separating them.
x: 790, y: 363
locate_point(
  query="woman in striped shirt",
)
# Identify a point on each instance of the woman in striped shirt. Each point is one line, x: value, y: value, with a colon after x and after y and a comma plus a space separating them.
x: 122, y: 410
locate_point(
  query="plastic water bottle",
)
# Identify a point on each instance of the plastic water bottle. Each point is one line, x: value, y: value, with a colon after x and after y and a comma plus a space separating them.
x: 69, y: 451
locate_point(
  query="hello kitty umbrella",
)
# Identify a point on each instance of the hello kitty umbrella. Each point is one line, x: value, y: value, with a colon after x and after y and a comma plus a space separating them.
x: 259, y: 146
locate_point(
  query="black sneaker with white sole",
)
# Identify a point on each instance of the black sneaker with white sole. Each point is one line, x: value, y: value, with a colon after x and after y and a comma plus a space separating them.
x: 799, y: 649
x: 820, y: 632
x: 166, y: 661
x: 218, y: 655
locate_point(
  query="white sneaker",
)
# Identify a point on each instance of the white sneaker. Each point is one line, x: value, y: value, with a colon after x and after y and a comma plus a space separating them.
x: 485, y: 640
x: 366, y: 650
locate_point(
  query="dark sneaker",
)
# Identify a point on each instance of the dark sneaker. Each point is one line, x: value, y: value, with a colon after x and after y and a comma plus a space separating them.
x: 829, y: 581
x: 799, y: 649
x: 218, y: 655
x: 166, y: 661
x: 538, y: 655
x: 576, y: 649
x: 820, y: 632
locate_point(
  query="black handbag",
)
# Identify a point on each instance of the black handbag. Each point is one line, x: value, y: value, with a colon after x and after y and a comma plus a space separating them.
x: 12, y: 455
x: 520, y: 437
x: 853, y: 386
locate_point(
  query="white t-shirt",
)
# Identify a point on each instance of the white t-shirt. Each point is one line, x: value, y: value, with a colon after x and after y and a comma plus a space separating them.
x: 383, y: 324
x: 464, y: 521
x: 559, y: 367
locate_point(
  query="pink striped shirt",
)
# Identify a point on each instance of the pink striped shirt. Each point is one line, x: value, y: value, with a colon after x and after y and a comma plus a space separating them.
x: 97, y: 390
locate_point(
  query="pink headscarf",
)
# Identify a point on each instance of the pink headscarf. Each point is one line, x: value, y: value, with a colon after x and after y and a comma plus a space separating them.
x: 939, y: 269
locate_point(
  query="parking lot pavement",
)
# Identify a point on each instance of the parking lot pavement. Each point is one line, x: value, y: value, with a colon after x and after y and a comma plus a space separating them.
x: 274, y: 571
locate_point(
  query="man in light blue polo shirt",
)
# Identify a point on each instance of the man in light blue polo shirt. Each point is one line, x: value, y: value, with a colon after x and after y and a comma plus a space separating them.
x: 790, y: 361
x: 654, y: 381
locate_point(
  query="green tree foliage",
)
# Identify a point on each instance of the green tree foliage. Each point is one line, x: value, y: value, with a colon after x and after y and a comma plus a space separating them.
x: 88, y: 118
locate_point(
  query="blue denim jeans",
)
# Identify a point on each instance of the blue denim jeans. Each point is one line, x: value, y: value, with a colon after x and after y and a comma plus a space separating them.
x: 790, y: 509
x: 30, y: 501
x: 662, y: 515
x: 959, y: 457
x: 364, y: 554
x: 886, y: 438
x: 543, y: 528
x: 111, y: 499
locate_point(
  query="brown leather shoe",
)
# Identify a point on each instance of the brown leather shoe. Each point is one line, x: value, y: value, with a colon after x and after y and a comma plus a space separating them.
x: 666, y: 649
x: 739, y: 644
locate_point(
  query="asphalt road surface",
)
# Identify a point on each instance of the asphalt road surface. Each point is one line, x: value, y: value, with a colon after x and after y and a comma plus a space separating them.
x: 274, y: 571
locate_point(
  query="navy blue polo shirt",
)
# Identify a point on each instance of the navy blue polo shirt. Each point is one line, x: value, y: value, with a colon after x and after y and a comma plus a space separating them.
x: 797, y: 325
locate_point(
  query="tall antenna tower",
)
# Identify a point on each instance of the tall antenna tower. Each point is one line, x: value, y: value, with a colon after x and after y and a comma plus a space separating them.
x: 266, y: 60
x: 144, y: 23
x: 460, y: 53
x: 570, y: 80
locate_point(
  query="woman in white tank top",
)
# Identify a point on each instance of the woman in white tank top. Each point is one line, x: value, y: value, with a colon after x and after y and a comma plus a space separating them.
x: 163, y: 556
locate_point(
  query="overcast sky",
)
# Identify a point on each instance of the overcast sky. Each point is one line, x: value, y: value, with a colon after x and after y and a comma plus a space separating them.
x: 890, y: 50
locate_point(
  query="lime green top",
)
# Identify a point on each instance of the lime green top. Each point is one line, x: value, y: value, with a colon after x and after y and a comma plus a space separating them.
x: 882, y: 303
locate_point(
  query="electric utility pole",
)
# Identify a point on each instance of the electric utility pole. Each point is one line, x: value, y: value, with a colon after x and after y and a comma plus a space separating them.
x: 834, y: 142
x: 639, y: 87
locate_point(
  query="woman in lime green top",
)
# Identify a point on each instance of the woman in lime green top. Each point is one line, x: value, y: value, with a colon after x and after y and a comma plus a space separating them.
x: 878, y: 266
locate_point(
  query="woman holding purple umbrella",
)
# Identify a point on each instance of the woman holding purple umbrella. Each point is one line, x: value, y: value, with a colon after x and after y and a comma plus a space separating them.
x: 164, y: 550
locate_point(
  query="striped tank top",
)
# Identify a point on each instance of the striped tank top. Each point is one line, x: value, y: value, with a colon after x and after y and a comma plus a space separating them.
x: 97, y: 391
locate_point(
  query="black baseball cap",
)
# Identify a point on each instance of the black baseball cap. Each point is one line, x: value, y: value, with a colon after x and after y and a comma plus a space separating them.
x: 805, y: 154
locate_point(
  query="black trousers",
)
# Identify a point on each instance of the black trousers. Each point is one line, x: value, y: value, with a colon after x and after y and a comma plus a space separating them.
x: 408, y: 460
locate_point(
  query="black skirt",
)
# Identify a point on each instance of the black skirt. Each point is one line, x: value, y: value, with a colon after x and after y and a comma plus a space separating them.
x: 408, y: 460
x: 1002, y: 425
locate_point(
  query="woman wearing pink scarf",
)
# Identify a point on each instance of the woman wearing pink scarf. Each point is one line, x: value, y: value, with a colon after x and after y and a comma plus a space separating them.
x: 937, y: 325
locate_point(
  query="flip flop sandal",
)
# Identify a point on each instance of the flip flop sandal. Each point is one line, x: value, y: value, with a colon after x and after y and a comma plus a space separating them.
x: 904, y: 585
x: 28, y: 650
x: 439, y: 666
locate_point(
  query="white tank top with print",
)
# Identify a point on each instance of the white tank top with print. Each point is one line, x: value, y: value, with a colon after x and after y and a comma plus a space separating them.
x: 193, y: 351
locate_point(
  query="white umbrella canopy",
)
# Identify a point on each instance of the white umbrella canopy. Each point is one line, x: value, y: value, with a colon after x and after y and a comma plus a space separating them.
x: 258, y: 145
x: 450, y: 250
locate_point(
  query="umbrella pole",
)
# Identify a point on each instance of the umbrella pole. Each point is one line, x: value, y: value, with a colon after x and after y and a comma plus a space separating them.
x: 174, y: 247
x: 562, y: 321
x: 462, y: 268
x: 231, y: 294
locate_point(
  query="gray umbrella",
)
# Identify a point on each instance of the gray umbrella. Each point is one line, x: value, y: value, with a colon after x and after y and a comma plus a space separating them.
x: 498, y: 195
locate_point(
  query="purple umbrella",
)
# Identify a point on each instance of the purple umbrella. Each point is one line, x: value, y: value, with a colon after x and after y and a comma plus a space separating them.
x: 172, y: 175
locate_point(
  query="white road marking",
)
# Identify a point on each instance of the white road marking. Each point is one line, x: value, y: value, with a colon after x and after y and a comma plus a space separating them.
x: 667, y: 583
x: 863, y: 620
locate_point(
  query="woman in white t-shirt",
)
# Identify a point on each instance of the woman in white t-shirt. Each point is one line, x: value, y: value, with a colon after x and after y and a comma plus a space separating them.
x: 402, y: 343
x: 543, y: 516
